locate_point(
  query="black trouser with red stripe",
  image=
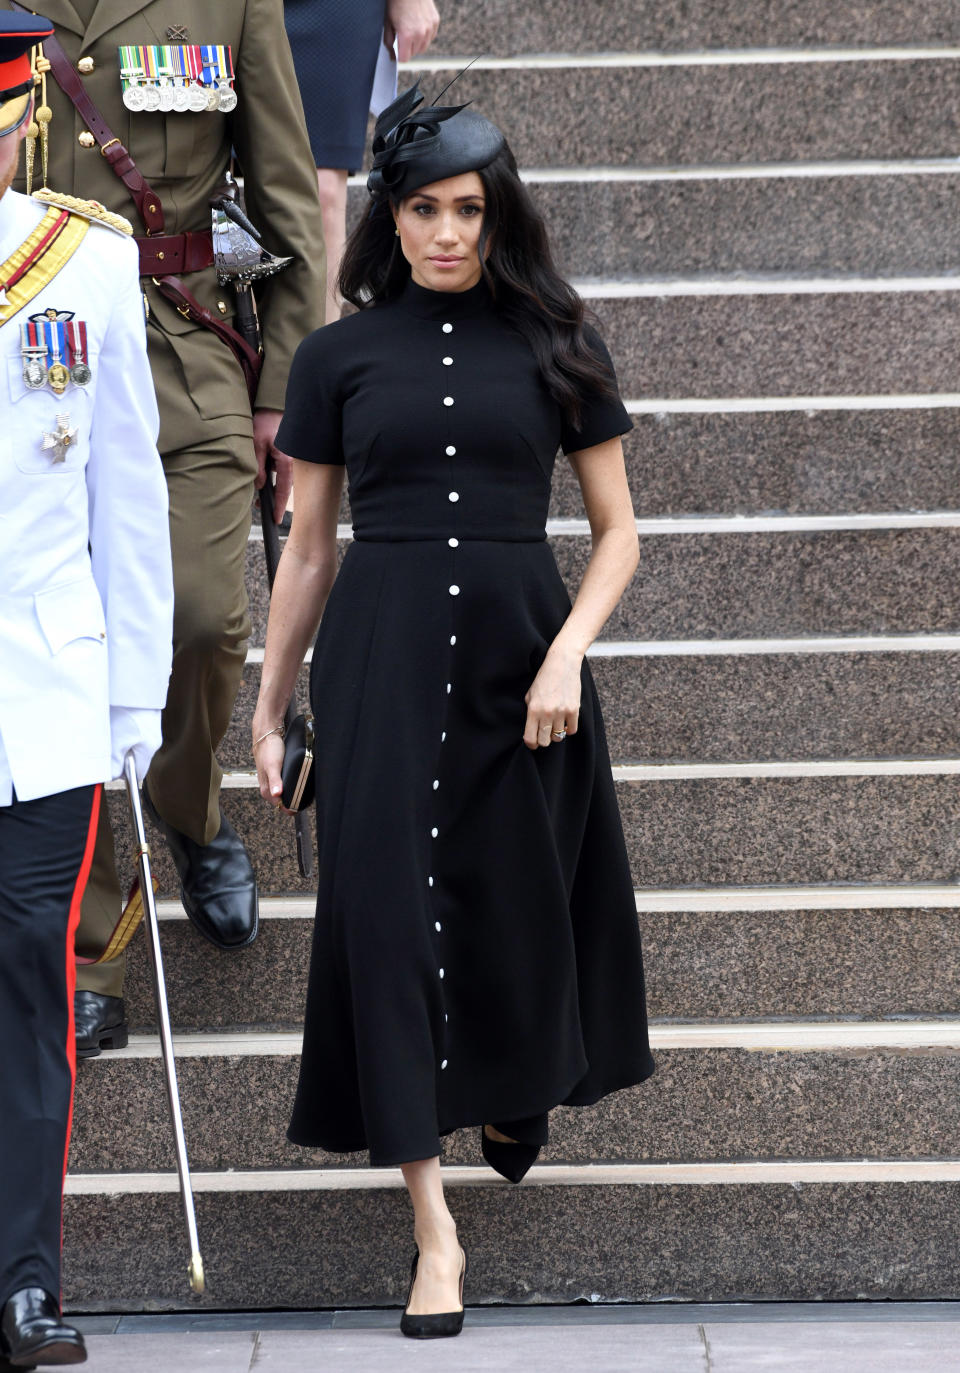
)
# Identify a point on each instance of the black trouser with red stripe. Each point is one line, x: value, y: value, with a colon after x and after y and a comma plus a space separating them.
x: 45, y: 851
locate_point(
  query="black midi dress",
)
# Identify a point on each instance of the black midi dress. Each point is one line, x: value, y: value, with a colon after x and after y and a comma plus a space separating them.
x: 476, y: 955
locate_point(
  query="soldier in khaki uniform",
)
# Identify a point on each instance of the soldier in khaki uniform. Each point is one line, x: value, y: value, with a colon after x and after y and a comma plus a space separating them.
x: 213, y: 450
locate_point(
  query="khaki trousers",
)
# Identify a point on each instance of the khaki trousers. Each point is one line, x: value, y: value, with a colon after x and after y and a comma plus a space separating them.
x: 211, y: 489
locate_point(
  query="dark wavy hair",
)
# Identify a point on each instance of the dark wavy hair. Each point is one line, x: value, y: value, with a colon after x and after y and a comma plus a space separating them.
x: 528, y: 291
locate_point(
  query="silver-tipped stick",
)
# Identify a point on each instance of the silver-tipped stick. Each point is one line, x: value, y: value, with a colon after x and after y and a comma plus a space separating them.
x: 163, y: 1018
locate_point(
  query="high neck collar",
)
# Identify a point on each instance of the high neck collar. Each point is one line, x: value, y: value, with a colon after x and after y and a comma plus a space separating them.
x: 444, y: 305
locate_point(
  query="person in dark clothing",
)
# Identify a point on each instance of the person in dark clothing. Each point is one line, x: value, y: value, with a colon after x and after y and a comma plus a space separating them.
x: 335, y: 44
x: 476, y: 958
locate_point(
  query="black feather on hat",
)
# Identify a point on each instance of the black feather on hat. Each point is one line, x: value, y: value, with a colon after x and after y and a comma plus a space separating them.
x: 413, y: 147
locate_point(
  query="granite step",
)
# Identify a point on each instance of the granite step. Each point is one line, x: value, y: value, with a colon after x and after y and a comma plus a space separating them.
x: 737, y: 706
x: 757, y: 585
x: 655, y: 115
x: 878, y: 225
x: 793, y: 461
x: 776, y: 957
x: 712, y: 826
x: 793, y: 458
x: 780, y: 338
x: 502, y: 28
x: 795, y: 1231
x: 820, y: 1091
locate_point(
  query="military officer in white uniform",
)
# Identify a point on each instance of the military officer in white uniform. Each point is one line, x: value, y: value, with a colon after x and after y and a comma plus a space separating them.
x: 86, y: 605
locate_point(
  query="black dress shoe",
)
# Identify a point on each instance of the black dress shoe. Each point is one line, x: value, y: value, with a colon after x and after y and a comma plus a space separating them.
x: 433, y: 1327
x: 32, y: 1332
x: 217, y: 885
x: 512, y: 1161
x: 100, y: 1023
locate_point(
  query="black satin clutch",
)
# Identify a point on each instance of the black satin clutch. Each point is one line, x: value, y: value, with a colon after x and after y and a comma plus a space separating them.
x: 297, y: 770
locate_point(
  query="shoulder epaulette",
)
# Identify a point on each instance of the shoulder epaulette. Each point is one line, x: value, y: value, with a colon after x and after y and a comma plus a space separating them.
x: 87, y: 209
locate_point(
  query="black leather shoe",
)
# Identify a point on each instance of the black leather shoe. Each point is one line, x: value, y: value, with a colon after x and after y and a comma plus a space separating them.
x: 32, y: 1332
x: 217, y: 885
x: 100, y: 1023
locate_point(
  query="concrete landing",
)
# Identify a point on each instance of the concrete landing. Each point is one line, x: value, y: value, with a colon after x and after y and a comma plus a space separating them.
x: 800, y: 1338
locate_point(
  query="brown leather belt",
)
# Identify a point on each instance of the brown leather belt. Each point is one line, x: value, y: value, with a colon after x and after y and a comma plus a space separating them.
x: 174, y: 254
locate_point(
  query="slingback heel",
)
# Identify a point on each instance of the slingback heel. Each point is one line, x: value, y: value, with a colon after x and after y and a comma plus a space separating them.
x: 511, y: 1161
x: 433, y: 1327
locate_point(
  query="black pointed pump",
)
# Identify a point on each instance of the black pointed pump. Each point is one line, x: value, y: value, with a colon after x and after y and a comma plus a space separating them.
x: 511, y: 1161
x: 433, y: 1327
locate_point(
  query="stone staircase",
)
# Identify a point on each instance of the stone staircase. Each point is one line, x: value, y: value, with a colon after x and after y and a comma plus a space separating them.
x: 759, y: 200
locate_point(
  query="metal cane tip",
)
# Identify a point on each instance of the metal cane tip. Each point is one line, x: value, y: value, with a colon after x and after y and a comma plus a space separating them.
x: 197, y: 1283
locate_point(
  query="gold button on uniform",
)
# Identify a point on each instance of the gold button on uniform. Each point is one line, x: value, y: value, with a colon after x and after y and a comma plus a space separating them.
x: 86, y: 139
x: 86, y: 65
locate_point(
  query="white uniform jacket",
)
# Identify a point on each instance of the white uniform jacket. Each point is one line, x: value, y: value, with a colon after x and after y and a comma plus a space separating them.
x: 86, y: 591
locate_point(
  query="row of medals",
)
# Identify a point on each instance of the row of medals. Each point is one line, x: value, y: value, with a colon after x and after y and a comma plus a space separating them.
x: 180, y: 97
x: 36, y: 374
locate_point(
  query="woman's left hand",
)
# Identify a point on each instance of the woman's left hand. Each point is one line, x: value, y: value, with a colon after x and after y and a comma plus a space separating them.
x: 553, y: 701
x: 268, y: 756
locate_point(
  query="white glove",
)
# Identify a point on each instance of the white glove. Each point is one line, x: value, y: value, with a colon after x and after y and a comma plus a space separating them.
x: 133, y: 729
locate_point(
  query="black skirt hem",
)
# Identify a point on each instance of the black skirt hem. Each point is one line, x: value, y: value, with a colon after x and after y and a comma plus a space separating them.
x: 414, y: 1154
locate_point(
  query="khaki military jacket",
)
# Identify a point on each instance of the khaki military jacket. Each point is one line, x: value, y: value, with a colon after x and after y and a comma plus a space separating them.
x: 199, y: 384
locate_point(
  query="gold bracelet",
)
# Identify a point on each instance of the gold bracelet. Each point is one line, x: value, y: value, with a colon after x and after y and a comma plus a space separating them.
x: 277, y: 729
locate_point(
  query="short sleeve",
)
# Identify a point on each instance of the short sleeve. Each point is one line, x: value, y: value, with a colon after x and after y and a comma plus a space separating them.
x: 602, y: 417
x: 311, y: 428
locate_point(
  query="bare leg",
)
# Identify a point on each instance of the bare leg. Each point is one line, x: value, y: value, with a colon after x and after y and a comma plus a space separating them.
x: 438, y: 1272
x: 332, y: 186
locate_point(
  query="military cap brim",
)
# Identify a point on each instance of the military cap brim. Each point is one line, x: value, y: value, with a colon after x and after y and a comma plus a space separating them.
x: 19, y: 35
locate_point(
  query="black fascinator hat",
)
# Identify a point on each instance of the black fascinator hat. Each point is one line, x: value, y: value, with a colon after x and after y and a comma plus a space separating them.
x: 413, y: 147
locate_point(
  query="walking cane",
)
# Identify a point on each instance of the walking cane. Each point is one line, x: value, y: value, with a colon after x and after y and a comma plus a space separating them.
x: 163, y: 1017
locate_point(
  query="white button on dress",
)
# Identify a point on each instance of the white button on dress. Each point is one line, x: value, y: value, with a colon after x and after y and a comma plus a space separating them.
x: 451, y: 450
x: 441, y: 973
x: 444, y: 1063
x: 448, y: 328
x: 436, y: 783
x: 448, y: 400
x: 454, y: 590
x: 454, y: 543
x: 448, y: 362
x: 434, y: 832
x: 437, y: 926
x: 453, y: 496
x: 453, y: 640
x: 429, y: 881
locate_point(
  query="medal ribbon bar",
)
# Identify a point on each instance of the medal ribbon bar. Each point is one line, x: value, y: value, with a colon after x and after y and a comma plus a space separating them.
x: 178, y: 76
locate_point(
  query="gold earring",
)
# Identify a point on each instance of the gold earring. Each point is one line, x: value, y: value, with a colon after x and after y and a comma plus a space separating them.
x: 397, y: 232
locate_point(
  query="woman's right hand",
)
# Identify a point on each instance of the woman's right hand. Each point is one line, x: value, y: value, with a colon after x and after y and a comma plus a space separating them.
x: 413, y: 23
x: 268, y: 756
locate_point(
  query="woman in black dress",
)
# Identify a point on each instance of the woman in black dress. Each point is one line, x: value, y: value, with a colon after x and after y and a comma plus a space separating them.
x: 476, y: 958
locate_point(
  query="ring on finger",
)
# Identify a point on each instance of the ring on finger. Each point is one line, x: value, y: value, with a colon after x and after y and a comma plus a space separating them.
x: 558, y: 734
